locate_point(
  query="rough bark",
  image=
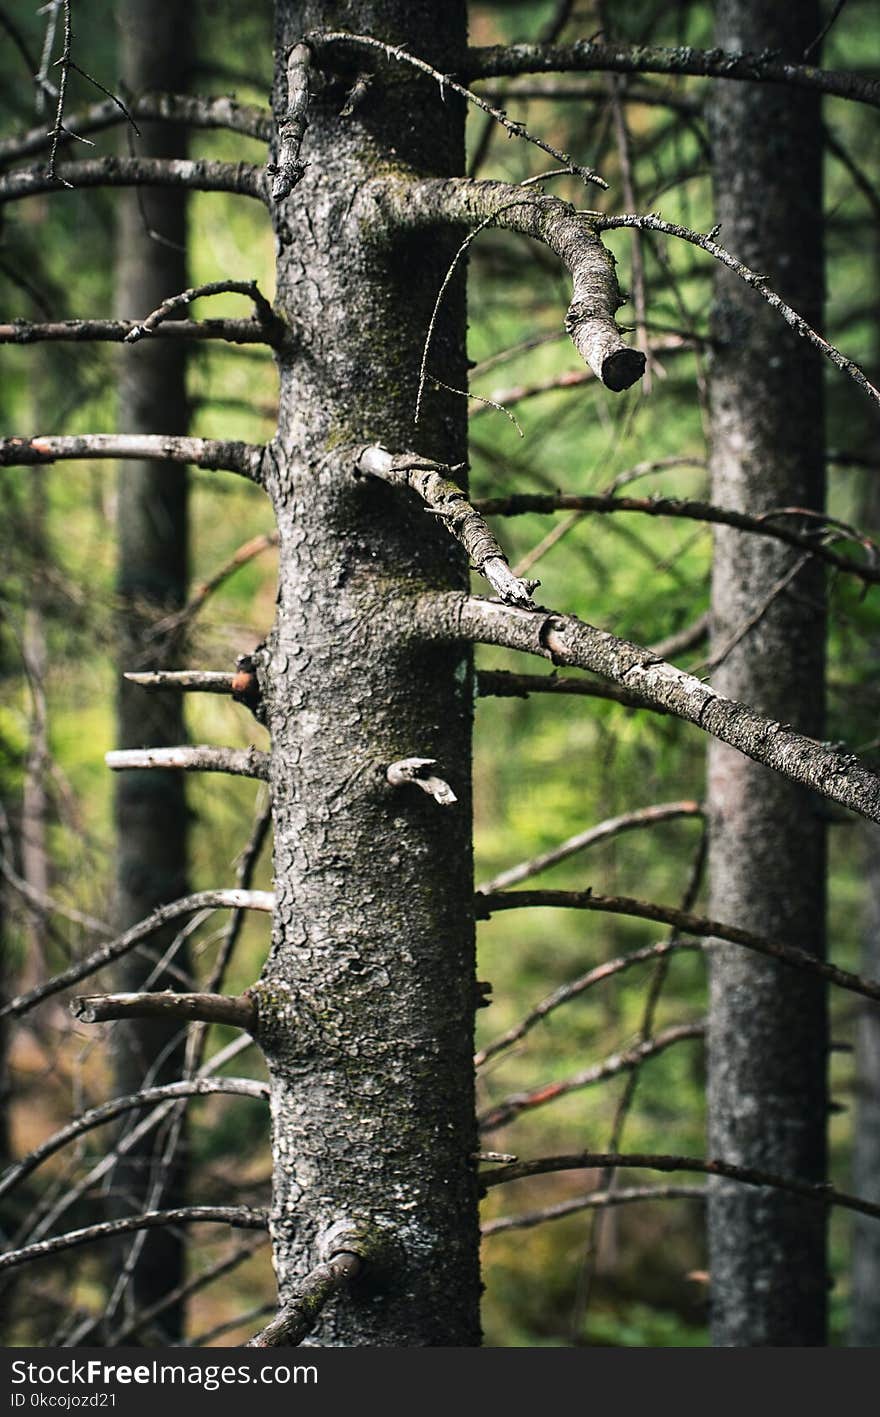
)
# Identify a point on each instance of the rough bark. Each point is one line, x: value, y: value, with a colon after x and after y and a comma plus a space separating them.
x: 150, y: 807
x: 767, y: 1036
x: 366, y: 1000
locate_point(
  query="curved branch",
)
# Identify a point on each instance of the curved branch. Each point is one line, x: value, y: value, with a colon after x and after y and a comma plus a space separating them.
x: 683, y: 921
x: 273, y: 326
x: 297, y: 1319
x: 757, y: 282
x: 240, y: 1216
x: 222, y: 112
x: 243, y: 458
x: 650, y: 1161
x: 627, y: 821
x: 571, y: 235
x: 198, y: 174
x: 108, y: 1111
x: 240, y: 762
x: 203, y: 1008
x: 596, y: 1200
x: 494, y: 61
x: 623, y: 1062
x: 839, y: 776
x: 524, y: 502
x: 114, y: 949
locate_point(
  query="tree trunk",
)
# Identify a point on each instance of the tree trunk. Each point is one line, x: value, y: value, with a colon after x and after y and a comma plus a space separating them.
x: 366, y: 1001
x: 865, y: 1278
x: 768, y: 1031
x: 150, y: 807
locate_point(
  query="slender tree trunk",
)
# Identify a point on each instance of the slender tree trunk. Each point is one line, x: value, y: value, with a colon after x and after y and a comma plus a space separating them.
x: 768, y: 1040
x: 366, y: 1001
x: 151, y: 814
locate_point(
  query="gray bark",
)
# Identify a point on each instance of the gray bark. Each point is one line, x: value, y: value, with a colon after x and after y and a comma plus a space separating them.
x: 366, y: 1000
x: 767, y: 1036
x: 150, y: 807
x: 865, y: 1277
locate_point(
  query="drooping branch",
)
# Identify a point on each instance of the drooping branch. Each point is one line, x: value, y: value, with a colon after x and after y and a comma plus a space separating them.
x: 603, y: 831
x: 751, y: 278
x: 506, y: 398
x: 241, y: 1216
x: 625, y: 1061
x: 320, y: 42
x: 245, y: 553
x: 240, y: 762
x: 494, y: 61
x: 203, y: 1008
x: 287, y: 170
x: 272, y: 325
x: 571, y: 235
x: 197, y: 174
x: 108, y: 1111
x: 446, y: 500
x: 117, y: 331
x: 650, y: 1161
x: 298, y: 1317
x: 839, y: 776
x: 687, y: 923
x: 196, y: 112
x: 765, y: 525
x: 114, y: 949
x: 572, y: 990
x: 595, y: 1200
x: 243, y: 458
x: 137, y: 1324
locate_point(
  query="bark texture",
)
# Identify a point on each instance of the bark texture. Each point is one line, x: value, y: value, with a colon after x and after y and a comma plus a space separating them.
x: 767, y: 1036
x: 366, y: 1000
x: 150, y: 807
x: 865, y: 1277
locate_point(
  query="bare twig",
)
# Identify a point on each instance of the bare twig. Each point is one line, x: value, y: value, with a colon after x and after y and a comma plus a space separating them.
x: 117, y: 331
x: 320, y: 39
x: 595, y: 1200
x: 265, y: 316
x: 747, y: 1175
x: 241, y: 762
x: 198, y: 174
x: 614, y: 826
x: 114, y: 949
x: 504, y: 684
x: 685, y: 922
x: 566, y: 992
x: 243, y: 1217
x: 626, y: 1061
x: 193, y: 681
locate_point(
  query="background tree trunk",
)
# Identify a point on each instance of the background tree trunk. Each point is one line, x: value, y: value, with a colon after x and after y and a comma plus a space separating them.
x: 767, y: 1041
x: 150, y: 807
x: 367, y: 998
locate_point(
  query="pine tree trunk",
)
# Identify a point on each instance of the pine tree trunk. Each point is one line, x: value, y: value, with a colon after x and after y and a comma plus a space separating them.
x: 768, y: 1039
x: 366, y: 1001
x: 150, y: 807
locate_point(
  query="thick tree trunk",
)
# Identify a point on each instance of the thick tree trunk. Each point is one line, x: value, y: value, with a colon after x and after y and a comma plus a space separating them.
x: 150, y: 807
x: 366, y: 1001
x: 767, y: 1040
x: 865, y: 1278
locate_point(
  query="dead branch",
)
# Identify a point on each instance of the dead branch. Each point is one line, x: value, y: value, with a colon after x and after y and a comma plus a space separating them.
x: 747, y: 1175
x: 114, y: 949
x: 240, y: 762
x: 243, y: 458
x: 443, y: 497
x: 687, y: 923
x: 203, y: 1008
x: 614, y: 826
x: 288, y: 168
x: 197, y: 174
x: 193, y: 681
x: 596, y: 1200
x: 625, y: 1061
x: 299, y: 1316
x: 243, y: 1217
x: 504, y: 684
x: 117, y: 331
x: 412, y: 770
x: 273, y: 326
x: 494, y: 61
x: 566, y: 992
